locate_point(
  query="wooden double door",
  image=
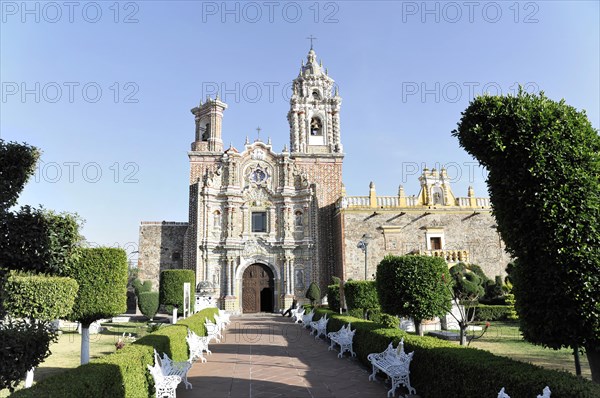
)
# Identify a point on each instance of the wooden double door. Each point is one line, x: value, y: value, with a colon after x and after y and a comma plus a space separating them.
x: 258, y: 289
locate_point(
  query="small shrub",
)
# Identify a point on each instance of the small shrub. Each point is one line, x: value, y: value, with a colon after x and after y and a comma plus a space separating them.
x: 171, y: 287
x: 148, y: 303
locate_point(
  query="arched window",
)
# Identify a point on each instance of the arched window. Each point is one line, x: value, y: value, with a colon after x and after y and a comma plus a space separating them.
x: 206, y: 132
x: 316, y: 127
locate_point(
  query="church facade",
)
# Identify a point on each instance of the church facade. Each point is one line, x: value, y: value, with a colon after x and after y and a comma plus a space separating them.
x: 263, y: 225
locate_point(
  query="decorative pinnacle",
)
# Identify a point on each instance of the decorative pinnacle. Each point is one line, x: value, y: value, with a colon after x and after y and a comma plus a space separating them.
x: 247, y: 141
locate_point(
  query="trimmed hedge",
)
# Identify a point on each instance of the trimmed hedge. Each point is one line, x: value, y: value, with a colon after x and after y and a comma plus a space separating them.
x: 443, y: 369
x: 39, y: 296
x: 124, y: 373
x: 102, y: 276
x: 492, y: 312
x: 148, y: 303
x: 171, y: 287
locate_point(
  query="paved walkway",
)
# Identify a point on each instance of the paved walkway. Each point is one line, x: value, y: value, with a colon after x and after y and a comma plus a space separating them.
x: 268, y: 356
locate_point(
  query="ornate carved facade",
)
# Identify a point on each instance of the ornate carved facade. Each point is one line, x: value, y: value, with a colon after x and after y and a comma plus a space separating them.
x: 263, y: 225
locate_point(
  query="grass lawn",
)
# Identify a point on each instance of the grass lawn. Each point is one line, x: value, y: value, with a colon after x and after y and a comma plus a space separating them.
x: 65, y: 352
x: 504, y: 338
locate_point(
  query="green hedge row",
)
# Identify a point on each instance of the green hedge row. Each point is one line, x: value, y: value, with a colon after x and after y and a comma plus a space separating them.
x: 443, y: 369
x: 124, y: 373
x: 492, y: 312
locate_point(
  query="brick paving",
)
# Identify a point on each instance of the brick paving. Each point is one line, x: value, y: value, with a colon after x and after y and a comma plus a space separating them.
x: 267, y: 356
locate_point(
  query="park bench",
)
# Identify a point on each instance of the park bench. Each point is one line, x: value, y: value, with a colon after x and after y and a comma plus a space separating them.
x: 165, y: 385
x: 343, y: 338
x: 297, y: 314
x: 213, y: 331
x: 307, y: 318
x: 225, y: 316
x: 545, y: 393
x: 197, y: 345
x: 395, y: 363
x: 220, y: 322
x: 319, y: 327
x: 172, y: 368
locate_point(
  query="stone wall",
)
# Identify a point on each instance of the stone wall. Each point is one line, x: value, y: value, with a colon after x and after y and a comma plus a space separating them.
x: 402, y: 232
x: 160, y: 248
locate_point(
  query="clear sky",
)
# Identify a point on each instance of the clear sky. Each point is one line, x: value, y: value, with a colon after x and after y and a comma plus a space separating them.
x: 105, y: 88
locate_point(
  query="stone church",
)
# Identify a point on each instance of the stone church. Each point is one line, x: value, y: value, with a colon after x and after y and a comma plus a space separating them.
x: 263, y: 225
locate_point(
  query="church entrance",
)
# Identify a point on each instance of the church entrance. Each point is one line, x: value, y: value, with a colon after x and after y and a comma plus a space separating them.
x: 258, y: 286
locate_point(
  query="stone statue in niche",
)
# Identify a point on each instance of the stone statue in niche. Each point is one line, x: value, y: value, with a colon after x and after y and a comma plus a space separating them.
x: 299, y: 278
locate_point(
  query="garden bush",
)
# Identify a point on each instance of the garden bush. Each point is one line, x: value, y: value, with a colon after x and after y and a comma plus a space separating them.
x: 333, y: 297
x: 171, y: 287
x: 443, y: 369
x: 124, y: 373
x: 148, y: 303
x: 39, y: 296
x: 363, y: 295
x: 492, y: 312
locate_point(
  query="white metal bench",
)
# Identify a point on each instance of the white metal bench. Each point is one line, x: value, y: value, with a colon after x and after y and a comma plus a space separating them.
x: 297, y: 314
x: 545, y: 393
x: 220, y: 322
x: 307, y: 318
x: 172, y: 368
x: 212, y: 330
x: 165, y: 386
x: 343, y: 338
x: 395, y: 363
x: 225, y: 316
x: 197, y: 345
x: 319, y: 327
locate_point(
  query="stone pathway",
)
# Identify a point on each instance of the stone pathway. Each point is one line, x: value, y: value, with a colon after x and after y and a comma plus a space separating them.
x: 268, y: 356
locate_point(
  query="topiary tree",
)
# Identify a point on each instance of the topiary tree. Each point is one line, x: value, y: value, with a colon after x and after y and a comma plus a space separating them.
x: 363, y: 295
x: 543, y: 159
x: 148, y: 302
x: 25, y: 344
x: 467, y: 286
x: 102, y: 277
x: 36, y: 296
x: 313, y: 293
x: 412, y: 286
x: 171, y: 287
x: 30, y: 239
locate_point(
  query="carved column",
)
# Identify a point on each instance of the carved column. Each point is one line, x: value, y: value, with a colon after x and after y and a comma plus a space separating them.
x: 296, y: 139
x: 302, y: 123
x: 330, y: 132
x: 292, y: 285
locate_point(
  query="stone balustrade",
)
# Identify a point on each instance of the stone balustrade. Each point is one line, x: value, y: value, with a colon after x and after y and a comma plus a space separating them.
x: 450, y: 256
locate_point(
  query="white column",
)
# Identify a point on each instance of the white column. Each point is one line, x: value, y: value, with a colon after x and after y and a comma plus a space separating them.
x: 232, y: 278
x: 292, y: 285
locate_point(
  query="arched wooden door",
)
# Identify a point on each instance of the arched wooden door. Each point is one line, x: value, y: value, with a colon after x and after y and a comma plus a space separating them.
x: 257, y: 289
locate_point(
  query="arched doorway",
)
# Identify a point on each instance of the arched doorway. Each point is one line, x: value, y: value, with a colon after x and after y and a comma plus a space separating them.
x: 257, y: 289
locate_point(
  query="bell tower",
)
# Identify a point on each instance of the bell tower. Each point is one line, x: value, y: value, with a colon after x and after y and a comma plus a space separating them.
x: 314, y: 115
x: 209, y: 118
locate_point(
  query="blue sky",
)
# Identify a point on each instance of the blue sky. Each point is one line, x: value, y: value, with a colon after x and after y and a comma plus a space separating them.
x: 105, y: 88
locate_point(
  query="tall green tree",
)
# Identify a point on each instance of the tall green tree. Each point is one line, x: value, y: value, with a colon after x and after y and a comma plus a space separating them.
x: 102, y: 276
x: 413, y: 286
x: 543, y: 159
